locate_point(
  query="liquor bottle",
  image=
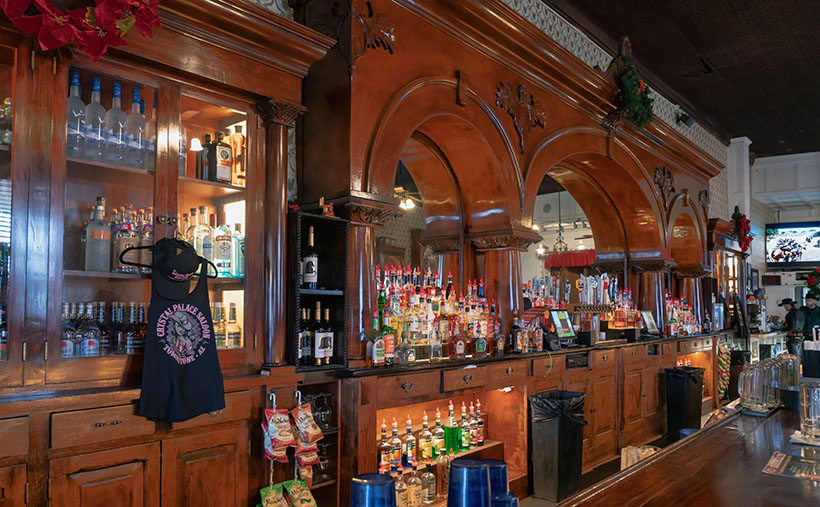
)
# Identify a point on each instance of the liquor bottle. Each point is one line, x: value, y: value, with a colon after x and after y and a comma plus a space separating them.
x: 182, y: 150
x: 408, y: 445
x: 208, y: 171
x: 237, y: 252
x: 307, y: 339
x: 117, y: 328
x: 451, y: 434
x: 189, y: 231
x: 401, y: 488
x: 425, y: 440
x: 414, y: 487
x: 146, y: 238
x: 203, y: 235
x: 89, y: 334
x: 464, y: 430
x: 220, y: 334
x: 223, y: 158
x: 68, y: 334
x: 310, y: 264
x: 515, y: 343
x: 95, y: 131
x: 98, y: 241
x: 126, y: 237
x: 151, y: 138
x: 115, y: 122
x: 234, y: 330
x: 449, y: 290
x: 318, y: 336
x: 384, y: 451
x: 134, y: 340
x: 439, y: 437
x: 443, y: 472
x: 142, y: 320
x: 479, y: 423
x: 388, y: 336
x: 395, y: 447
x: 135, y: 128
x: 237, y: 142
x: 105, y: 330
x: 428, y: 485
x: 75, y: 118
x: 327, y: 339
x: 223, y: 248
x: 457, y: 347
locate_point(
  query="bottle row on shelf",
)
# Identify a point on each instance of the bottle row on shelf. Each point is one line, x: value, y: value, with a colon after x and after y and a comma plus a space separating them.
x: 6, y: 121
x: 214, y: 240
x: 97, y: 134
x: 436, y: 448
x: 316, y: 338
x: 87, y: 332
x: 4, y: 338
x: 680, y: 318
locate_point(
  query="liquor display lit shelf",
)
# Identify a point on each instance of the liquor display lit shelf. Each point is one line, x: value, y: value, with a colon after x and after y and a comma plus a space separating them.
x: 78, y: 273
x: 488, y: 444
x: 89, y: 170
x: 322, y: 292
x: 204, y: 189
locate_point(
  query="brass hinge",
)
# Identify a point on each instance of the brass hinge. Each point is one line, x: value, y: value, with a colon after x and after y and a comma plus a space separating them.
x: 53, y: 65
x: 24, y: 351
x: 45, y: 351
x: 32, y: 60
x: 254, y: 341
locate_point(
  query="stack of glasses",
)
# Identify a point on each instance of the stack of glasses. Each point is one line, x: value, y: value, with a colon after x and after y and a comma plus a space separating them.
x: 768, y: 384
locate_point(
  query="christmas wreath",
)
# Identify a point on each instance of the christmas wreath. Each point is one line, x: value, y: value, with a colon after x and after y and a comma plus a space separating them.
x: 93, y: 29
x: 743, y: 229
x: 813, y: 282
x: 637, y: 98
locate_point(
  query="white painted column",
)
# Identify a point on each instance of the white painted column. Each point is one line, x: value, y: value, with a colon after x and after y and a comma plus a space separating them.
x: 739, y: 175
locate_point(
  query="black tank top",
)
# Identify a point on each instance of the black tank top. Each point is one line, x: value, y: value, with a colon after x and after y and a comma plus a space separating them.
x: 181, y: 378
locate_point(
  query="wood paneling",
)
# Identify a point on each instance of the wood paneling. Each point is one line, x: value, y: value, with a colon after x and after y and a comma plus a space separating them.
x: 399, y: 389
x: 604, y: 387
x: 632, y: 409
x: 464, y: 378
x: 13, y: 486
x: 97, y: 425
x: 14, y: 436
x: 128, y: 476
x: 237, y: 406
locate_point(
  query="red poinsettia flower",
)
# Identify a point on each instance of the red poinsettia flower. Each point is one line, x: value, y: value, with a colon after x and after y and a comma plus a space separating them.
x: 146, y: 17
x: 95, y: 43
x: 811, y: 280
x: 817, y: 270
x: 108, y: 12
x: 52, y: 27
x: 641, y: 86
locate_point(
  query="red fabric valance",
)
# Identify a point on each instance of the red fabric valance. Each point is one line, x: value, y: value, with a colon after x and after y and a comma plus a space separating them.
x: 573, y: 259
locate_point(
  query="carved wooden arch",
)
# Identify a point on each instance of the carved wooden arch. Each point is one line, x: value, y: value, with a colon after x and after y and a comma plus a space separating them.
x: 690, y: 251
x: 428, y: 105
x: 613, y: 167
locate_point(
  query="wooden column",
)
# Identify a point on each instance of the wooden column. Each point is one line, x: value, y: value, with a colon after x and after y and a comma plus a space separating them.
x: 364, y: 216
x: 277, y: 117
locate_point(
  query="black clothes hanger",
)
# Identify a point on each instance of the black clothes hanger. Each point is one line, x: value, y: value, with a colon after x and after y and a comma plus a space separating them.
x: 151, y: 247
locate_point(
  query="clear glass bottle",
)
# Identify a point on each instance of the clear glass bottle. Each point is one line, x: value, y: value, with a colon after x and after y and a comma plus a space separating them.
x: 146, y: 238
x: 115, y: 121
x: 203, y: 235
x: 75, y: 118
x: 428, y: 485
x: 438, y: 436
x: 479, y: 423
x: 135, y: 128
x: 425, y: 440
x: 95, y: 130
x: 233, y: 329
x: 68, y: 333
x: 151, y: 138
x: 98, y: 241
x: 238, y: 252
x: 472, y: 423
x: 413, y: 488
x: 89, y: 334
x: 134, y: 340
x: 395, y: 446
x: 189, y: 231
x: 464, y: 430
x: 4, y: 336
x: 220, y: 334
x: 105, y: 329
x: 126, y: 237
x: 384, y: 450
x: 408, y: 445
x: 223, y: 248
x: 401, y: 488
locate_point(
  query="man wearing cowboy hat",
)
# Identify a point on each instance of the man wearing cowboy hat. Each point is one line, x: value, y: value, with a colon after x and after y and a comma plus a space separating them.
x: 794, y: 323
x: 812, y: 314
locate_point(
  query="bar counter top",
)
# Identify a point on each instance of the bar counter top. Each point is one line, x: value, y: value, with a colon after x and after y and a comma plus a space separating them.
x: 462, y: 363
x: 720, y: 465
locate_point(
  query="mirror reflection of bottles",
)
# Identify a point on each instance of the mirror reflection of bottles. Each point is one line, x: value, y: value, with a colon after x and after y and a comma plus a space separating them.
x: 310, y: 264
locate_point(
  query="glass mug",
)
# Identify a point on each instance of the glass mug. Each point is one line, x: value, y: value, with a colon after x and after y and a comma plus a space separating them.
x: 810, y: 410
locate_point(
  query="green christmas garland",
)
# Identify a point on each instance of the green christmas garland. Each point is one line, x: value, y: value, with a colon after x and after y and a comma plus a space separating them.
x: 637, y: 98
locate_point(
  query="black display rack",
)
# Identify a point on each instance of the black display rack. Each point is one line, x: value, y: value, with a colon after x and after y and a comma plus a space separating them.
x: 331, y: 237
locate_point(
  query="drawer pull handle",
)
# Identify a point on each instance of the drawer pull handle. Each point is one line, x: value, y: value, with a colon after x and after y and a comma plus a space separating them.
x: 107, y: 423
x: 605, y: 357
x: 510, y: 370
x: 215, y: 413
x: 467, y: 379
x: 407, y: 386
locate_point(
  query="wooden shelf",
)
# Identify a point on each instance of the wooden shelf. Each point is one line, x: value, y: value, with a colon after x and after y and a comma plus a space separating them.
x: 323, y: 484
x: 106, y: 172
x: 488, y: 444
x: 321, y: 292
x: 204, y: 189
x: 79, y: 273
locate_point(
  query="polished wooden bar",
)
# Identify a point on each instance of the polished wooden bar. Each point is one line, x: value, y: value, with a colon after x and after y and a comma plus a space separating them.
x: 720, y: 465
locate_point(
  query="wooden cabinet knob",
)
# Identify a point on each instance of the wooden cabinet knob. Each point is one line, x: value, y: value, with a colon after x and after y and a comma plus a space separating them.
x: 510, y: 370
x: 407, y: 386
x: 467, y: 378
x: 215, y: 413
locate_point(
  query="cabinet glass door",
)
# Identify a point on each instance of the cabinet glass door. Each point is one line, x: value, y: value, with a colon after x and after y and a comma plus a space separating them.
x: 109, y: 206
x: 216, y: 183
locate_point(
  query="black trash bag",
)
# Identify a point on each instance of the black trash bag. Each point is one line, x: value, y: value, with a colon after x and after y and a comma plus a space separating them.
x: 556, y: 443
x: 811, y: 363
x: 740, y: 357
x: 551, y: 404
x: 684, y: 394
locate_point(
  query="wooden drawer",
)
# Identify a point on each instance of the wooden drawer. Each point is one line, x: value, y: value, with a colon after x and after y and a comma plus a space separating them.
x: 392, y: 390
x: 603, y: 358
x: 14, y: 437
x: 636, y: 354
x: 684, y: 347
x: 695, y: 345
x: 463, y: 378
x: 670, y: 348
x: 548, y: 366
x: 501, y: 374
x: 97, y: 425
x: 706, y: 343
x: 237, y: 406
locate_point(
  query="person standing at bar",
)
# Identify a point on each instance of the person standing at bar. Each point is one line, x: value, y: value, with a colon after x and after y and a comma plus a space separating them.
x: 811, y: 313
x: 793, y: 325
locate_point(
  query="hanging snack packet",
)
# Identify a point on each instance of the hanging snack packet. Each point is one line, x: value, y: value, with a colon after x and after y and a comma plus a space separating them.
x: 303, y: 416
x: 273, y: 453
x: 273, y: 496
x: 279, y: 423
x: 298, y: 494
x: 308, y: 458
x: 306, y: 474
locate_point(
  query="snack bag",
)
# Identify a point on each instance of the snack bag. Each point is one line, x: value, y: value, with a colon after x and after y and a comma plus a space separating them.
x: 303, y: 418
x: 308, y: 458
x: 306, y: 474
x: 279, y: 424
x: 298, y: 494
x: 302, y: 446
x: 273, y: 496
x: 273, y: 453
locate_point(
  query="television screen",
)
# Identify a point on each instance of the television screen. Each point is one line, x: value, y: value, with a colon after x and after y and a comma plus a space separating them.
x: 793, y: 244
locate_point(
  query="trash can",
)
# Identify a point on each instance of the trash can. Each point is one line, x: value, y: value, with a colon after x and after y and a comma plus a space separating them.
x: 738, y: 359
x: 684, y: 396
x: 811, y: 363
x: 557, y: 437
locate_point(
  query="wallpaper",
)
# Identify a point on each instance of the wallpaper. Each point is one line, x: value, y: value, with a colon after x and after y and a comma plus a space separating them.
x: 719, y: 196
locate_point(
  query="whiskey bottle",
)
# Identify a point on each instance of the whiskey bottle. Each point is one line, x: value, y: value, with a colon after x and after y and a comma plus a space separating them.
x: 233, y: 329
x: 408, y: 445
x: 237, y: 142
x: 310, y: 264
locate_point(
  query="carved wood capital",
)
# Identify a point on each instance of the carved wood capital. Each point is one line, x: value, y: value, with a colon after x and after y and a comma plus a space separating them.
x: 697, y: 271
x: 656, y: 264
x: 504, y: 239
x: 521, y: 105
x: 365, y: 212
x: 612, y: 262
x: 275, y: 111
x: 442, y: 244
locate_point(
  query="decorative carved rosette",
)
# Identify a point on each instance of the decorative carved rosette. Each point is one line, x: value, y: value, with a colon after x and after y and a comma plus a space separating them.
x: 504, y: 239
x: 698, y: 271
x: 442, y: 244
x: 665, y: 182
x: 365, y: 212
x: 525, y: 111
x: 275, y: 111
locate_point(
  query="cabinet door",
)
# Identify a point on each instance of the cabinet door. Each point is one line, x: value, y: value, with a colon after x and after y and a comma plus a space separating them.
x: 578, y: 380
x: 128, y: 476
x: 652, y: 409
x: 605, y: 413
x: 211, y: 468
x: 632, y: 411
x: 13, y: 486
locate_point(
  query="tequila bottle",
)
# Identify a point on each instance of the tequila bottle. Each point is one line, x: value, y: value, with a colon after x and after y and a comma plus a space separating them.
x: 75, y: 118
x: 115, y: 120
x: 408, y: 445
